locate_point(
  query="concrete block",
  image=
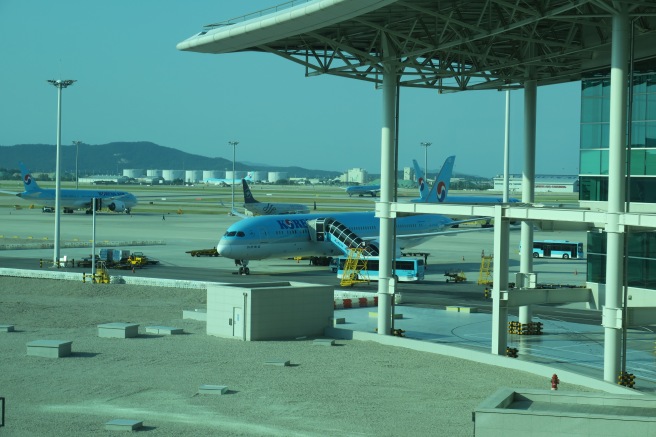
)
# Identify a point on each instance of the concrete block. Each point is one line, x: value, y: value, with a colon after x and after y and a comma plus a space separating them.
x: 118, y: 330
x: 323, y: 342
x: 277, y: 362
x: 208, y: 389
x: 468, y: 310
x: 6, y: 328
x: 49, y: 348
x: 197, y: 314
x: 456, y: 309
x: 338, y: 321
x: 166, y: 330
x: 123, y: 425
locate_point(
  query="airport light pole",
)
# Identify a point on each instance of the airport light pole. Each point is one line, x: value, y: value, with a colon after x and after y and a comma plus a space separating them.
x: 426, y: 145
x: 234, y: 145
x: 59, y: 84
x: 77, y: 152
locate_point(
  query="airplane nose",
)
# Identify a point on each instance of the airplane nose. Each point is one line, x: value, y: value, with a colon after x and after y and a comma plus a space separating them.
x: 223, y: 249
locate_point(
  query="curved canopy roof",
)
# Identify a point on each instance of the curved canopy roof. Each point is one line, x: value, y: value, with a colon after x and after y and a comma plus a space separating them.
x: 450, y: 45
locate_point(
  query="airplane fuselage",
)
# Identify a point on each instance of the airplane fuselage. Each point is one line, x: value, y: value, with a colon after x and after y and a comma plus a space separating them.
x: 261, y: 208
x: 78, y: 198
x: 282, y: 236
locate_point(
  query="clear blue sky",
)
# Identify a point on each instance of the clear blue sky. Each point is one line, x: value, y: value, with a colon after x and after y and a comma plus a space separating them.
x: 133, y: 85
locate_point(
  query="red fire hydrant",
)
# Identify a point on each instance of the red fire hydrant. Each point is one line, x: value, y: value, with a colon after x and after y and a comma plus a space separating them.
x: 554, y: 382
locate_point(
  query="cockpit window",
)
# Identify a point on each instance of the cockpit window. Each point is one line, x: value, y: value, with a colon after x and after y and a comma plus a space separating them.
x: 241, y: 234
x: 230, y: 234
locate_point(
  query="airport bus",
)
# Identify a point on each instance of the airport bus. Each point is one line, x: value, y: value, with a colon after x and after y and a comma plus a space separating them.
x: 557, y: 249
x: 406, y: 269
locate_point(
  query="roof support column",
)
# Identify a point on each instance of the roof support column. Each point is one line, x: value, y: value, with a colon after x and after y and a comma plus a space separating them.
x: 500, y: 282
x: 528, y: 187
x: 386, y: 284
x: 612, y: 312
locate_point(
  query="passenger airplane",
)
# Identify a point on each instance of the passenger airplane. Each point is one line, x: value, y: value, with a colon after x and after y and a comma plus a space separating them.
x: 279, y: 236
x: 259, y: 208
x: 227, y: 182
x: 439, y: 192
x: 361, y: 190
x: 117, y: 201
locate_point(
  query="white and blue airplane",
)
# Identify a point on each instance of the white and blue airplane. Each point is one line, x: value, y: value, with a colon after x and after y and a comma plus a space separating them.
x: 69, y: 199
x: 439, y: 192
x: 227, y: 182
x: 265, y: 208
x: 361, y: 190
x: 281, y: 236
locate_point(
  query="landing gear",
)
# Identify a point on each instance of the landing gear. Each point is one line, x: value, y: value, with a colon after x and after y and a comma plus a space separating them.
x: 243, y: 267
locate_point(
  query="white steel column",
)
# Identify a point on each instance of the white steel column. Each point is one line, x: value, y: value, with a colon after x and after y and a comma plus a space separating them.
x: 386, y: 285
x: 500, y: 283
x: 506, y: 150
x: 612, y: 313
x: 528, y: 186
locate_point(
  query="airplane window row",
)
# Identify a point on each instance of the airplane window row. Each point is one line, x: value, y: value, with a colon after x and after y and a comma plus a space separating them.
x: 234, y: 233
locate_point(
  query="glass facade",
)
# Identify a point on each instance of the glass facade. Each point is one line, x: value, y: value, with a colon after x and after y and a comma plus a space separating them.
x: 641, y: 251
x: 595, y: 113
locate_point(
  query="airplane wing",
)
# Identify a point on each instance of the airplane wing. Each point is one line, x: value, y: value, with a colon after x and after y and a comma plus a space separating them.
x: 13, y: 193
x: 233, y: 211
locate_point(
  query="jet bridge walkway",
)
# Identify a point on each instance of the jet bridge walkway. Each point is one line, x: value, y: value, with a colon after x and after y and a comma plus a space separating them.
x: 328, y: 229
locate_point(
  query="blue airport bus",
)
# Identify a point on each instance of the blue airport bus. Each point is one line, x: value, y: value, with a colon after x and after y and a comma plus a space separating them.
x: 557, y: 249
x: 407, y: 268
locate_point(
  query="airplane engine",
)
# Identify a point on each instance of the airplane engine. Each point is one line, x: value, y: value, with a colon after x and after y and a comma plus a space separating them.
x: 116, y: 206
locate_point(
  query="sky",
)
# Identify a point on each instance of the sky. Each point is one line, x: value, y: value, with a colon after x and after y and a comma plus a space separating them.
x: 134, y: 85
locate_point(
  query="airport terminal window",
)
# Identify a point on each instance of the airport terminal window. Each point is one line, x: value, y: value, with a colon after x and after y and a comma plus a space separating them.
x: 641, y: 271
x: 594, y: 162
x: 593, y: 188
x: 595, y: 109
x: 594, y: 135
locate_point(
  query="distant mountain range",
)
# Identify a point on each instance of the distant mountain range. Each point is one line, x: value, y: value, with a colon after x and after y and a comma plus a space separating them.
x: 112, y: 158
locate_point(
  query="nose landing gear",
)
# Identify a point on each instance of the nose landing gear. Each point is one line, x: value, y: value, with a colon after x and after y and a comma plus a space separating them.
x: 243, y: 267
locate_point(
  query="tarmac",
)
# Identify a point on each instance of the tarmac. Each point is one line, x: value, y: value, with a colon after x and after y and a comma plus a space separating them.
x: 575, y: 347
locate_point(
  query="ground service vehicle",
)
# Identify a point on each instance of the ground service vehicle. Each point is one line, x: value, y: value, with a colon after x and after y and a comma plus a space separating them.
x: 203, y: 252
x: 557, y: 249
x: 406, y: 268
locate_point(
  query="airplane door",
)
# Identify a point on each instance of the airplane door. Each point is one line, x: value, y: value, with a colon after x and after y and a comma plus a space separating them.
x: 237, y: 322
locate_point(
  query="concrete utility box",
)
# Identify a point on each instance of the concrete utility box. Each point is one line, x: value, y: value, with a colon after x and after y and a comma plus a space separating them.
x: 49, y: 348
x: 542, y: 413
x: 268, y: 311
x: 118, y: 330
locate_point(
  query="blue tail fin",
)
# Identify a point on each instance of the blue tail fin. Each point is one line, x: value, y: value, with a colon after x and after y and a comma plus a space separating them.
x: 440, y: 188
x: 248, y: 196
x: 29, y: 182
x: 423, y: 188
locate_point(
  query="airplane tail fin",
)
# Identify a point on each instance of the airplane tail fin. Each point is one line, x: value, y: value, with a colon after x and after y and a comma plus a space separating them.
x: 248, y: 196
x: 28, y: 181
x: 440, y: 188
x: 423, y: 189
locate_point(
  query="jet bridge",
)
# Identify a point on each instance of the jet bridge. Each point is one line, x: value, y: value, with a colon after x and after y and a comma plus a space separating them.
x: 328, y: 229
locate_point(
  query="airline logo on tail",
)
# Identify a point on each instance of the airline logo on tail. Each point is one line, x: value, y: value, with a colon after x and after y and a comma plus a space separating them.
x: 438, y: 193
x: 28, y: 181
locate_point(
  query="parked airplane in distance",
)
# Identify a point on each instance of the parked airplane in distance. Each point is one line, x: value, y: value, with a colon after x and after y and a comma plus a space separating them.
x: 227, y: 182
x: 280, y: 236
x: 361, y: 190
x: 70, y: 199
x: 261, y: 208
x: 439, y: 192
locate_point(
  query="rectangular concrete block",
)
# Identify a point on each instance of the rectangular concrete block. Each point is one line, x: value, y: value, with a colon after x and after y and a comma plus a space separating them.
x: 456, y: 309
x: 323, y: 342
x: 468, y: 310
x: 338, y: 321
x: 6, y: 328
x: 118, y: 330
x: 208, y: 389
x: 277, y: 362
x: 49, y: 348
x: 123, y: 425
x: 165, y: 330
x: 197, y: 314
